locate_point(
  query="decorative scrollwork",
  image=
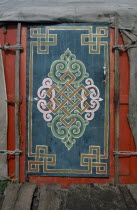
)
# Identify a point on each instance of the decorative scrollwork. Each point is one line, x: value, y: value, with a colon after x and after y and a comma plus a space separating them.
x: 69, y: 63
x: 64, y: 96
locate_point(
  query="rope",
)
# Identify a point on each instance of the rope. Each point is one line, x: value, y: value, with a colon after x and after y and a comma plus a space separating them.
x: 124, y: 153
x: 9, y: 178
x: 124, y: 47
x: 3, y: 178
x: 10, y: 152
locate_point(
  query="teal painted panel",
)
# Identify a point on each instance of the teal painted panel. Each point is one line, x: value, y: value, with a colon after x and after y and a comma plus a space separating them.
x: 68, y: 100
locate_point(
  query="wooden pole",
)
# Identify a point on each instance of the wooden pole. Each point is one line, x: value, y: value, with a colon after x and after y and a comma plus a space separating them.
x: 117, y: 95
x: 17, y: 97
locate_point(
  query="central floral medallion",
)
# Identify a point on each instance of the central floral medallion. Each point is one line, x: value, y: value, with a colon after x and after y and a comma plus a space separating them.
x: 68, y: 99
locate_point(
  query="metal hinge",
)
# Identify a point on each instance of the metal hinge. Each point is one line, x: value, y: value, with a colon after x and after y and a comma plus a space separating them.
x: 7, y: 46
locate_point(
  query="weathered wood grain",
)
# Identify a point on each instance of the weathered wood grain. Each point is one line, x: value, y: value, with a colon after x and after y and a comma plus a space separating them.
x: 49, y: 198
x: 11, y: 195
x: 25, y: 197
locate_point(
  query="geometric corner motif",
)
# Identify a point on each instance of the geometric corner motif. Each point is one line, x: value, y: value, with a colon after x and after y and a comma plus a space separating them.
x: 43, y: 41
x: 93, y: 159
x: 94, y: 40
x: 41, y: 158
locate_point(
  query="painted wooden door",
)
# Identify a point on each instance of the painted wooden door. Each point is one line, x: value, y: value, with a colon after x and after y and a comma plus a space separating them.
x: 68, y: 100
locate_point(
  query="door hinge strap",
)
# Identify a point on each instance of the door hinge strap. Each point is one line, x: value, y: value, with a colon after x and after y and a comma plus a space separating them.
x: 124, y: 153
x: 123, y: 47
x: 7, y: 46
x: 10, y: 152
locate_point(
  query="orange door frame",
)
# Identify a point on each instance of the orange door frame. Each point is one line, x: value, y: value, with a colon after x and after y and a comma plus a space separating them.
x: 127, y: 170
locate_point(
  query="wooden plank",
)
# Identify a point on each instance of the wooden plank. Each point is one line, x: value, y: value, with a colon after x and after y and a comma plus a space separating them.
x: 127, y: 197
x: 117, y: 89
x: 123, y: 99
x: 9, y: 67
x: 3, y: 121
x: 124, y: 161
x: 127, y: 169
x: 133, y: 190
x: 23, y: 59
x: 49, y: 199
x: 25, y: 197
x: 11, y: 194
x: 17, y: 97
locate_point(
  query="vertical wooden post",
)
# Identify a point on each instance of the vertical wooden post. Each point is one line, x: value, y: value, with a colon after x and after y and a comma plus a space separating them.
x: 116, y: 95
x: 17, y: 98
x: 3, y: 121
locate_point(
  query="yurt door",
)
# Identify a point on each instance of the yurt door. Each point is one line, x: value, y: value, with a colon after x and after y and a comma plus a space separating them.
x: 68, y: 100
